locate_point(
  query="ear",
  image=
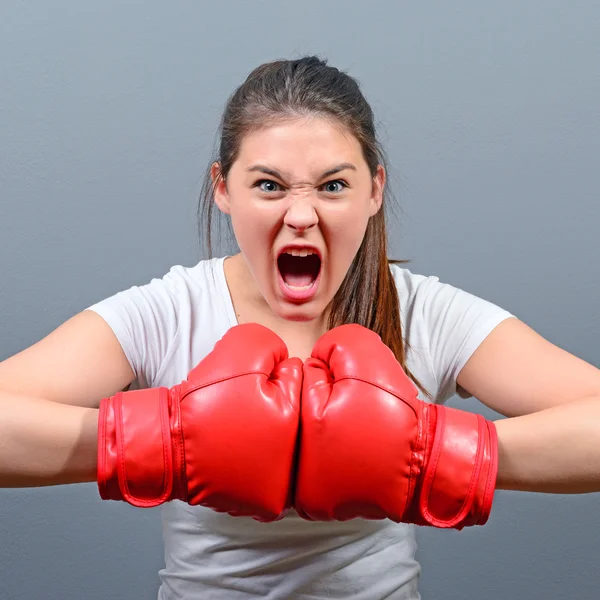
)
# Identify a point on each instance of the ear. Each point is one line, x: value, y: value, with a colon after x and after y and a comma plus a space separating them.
x: 219, y: 188
x: 377, y: 193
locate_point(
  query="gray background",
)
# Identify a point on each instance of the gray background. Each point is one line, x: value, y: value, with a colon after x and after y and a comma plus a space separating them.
x: 490, y: 113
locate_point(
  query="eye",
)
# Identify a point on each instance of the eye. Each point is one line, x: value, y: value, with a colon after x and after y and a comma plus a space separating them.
x: 335, y: 187
x: 267, y: 185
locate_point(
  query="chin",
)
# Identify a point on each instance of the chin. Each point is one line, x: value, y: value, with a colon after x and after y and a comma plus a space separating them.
x: 301, y: 313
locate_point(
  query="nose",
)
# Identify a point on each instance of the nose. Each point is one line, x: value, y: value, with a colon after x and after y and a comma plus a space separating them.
x: 301, y: 214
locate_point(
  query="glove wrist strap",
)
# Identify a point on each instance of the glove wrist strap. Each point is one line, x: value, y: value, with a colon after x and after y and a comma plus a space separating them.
x: 135, y: 454
x: 460, y: 475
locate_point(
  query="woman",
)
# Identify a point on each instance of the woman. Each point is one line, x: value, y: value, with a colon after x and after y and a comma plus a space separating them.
x: 303, y: 180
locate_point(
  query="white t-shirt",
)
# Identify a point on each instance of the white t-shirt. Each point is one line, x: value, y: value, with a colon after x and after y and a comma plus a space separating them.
x: 167, y: 326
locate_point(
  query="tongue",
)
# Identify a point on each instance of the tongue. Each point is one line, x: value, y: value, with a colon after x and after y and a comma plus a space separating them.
x: 299, y: 271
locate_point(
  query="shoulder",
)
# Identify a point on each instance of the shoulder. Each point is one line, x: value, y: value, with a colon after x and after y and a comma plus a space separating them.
x: 407, y: 282
x: 416, y: 291
x: 151, y: 320
x: 160, y: 304
x: 180, y: 294
x: 430, y: 296
x: 446, y: 322
x: 180, y: 284
x: 197, y: 277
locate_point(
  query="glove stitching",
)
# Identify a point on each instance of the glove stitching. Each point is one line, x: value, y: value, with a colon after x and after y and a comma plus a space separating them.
x: 489, y: 493
x: 102, y: 483
x: 180, y: 449
x: 407, y: 401
x: 414, y: 467
x: 199, y: 386
x: 478, y: 464
x: 430, y: 474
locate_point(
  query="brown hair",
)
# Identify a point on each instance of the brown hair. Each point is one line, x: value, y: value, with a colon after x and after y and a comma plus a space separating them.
x: 308, y: 86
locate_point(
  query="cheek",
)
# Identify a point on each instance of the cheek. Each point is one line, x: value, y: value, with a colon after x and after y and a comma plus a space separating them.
x: 253, y: 226
x: 346, y: 234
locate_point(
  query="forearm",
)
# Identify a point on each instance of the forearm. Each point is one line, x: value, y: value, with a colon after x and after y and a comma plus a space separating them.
x: 554, y: 451
x: 45, y: 443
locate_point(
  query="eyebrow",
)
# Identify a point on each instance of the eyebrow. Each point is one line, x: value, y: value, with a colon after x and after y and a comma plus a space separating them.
x: 274, y: 173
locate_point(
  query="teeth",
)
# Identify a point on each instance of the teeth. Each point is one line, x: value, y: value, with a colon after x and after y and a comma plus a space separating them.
x: 300, y: 252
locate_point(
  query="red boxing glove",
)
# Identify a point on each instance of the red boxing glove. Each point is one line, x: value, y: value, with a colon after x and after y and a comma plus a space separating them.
x: 225, y: 438
x: 370, y: 448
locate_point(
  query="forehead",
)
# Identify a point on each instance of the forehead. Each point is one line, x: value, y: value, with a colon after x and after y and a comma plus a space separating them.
x: 300, y: 142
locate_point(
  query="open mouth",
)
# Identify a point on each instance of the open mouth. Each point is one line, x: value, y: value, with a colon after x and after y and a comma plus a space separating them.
x: 299, y: 270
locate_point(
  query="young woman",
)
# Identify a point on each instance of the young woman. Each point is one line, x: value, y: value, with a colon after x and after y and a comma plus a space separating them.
x: 303, y: 180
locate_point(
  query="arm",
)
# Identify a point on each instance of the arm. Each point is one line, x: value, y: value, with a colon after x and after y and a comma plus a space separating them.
x: 45, y: 443
x: 556, y: 450
x: 551, y: 440
x: 49, y: 394
x: 78, y: 363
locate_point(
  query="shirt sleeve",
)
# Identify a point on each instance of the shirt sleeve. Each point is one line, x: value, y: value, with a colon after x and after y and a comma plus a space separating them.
x: 456, y: 322
x: 144, y: 319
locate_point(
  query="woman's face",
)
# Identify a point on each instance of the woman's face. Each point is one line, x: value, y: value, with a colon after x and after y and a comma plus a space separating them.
x: 300, y: 196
